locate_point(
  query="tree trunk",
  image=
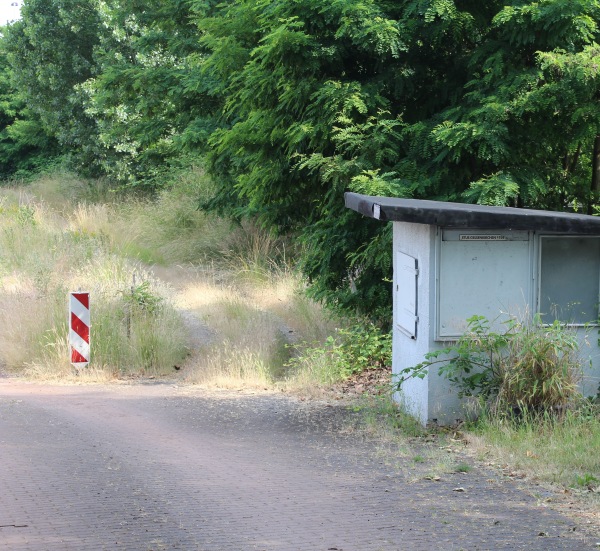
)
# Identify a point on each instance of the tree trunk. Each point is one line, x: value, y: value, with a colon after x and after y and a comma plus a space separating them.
x: 596, y: 166
x: 596, y: 171
x: 575, y: 158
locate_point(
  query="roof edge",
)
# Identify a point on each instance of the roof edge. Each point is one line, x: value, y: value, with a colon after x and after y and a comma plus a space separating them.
x: 468, y: 216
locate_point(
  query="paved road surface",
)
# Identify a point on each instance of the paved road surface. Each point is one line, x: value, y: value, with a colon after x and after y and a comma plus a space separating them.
x: 156, y: 467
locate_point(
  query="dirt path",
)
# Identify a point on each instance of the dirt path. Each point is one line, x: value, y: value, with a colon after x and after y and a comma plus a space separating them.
x: 157, y: 466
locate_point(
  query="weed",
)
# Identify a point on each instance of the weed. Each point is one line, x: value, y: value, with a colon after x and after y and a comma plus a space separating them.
x: 531, y: 367
x: 587, y: 480
x: 350, y: 351
x: 141, y: 299
x: 384, y: 412
x: 364, y: 346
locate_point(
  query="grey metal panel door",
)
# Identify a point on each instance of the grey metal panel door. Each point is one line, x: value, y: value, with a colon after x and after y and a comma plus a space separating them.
x: 487, y: 274
x: 406, y: 274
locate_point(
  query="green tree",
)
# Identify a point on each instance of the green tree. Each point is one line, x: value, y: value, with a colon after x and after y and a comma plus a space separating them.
x: 150, y: 105
x: 50, y: 51
x: 528, y: 121
x: 24, y: 145
x: 320, y: 98
x: 295, y: 102
x: 440, y: 99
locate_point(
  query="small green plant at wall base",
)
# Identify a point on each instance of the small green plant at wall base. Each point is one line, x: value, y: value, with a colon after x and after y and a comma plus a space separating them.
x: 364, y: 346
x: 352, y: 350
x: 529, y: 367
x: 587, y: 481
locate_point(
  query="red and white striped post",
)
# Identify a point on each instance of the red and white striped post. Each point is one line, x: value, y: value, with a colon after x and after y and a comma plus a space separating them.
x: 79, y: 328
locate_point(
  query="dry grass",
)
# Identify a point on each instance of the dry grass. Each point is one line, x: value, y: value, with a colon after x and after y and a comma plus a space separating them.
x: 16, y: 296
x: 91, y: 219
x: 241, y: 288
x: 61, y: 190
x: 251, y: 327
x: 229, y: 366
x: 170, y: 228
x: 248, y: 323
x: 43, y: 255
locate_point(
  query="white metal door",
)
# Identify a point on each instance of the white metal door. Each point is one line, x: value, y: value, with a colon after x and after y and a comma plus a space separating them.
x: 405, y: 297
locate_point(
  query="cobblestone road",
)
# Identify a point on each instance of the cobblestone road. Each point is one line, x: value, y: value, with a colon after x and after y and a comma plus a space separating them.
x: 156, y: 467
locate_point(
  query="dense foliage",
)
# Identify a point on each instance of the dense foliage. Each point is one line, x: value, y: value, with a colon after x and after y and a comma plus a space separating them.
x: 24, y: 144
x: 291, y: 103
x: 148, y: 98
x: 51, y: 54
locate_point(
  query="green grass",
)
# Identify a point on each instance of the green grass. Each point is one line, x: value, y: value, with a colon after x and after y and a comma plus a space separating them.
x: 560, y: 451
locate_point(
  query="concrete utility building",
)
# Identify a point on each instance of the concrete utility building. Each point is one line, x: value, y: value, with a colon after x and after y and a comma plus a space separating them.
x: 452, y: 261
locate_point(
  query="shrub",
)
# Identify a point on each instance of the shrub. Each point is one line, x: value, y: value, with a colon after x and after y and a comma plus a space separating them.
x: 530, y: 367
x: 357, y: 348
x: 364, y: 346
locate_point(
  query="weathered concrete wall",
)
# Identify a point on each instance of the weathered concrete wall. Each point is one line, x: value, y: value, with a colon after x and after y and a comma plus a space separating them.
x: 589, y: 350
x: 429, y: 398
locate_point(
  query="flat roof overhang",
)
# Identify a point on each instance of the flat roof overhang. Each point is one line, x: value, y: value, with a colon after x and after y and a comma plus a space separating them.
x: 466, y: 216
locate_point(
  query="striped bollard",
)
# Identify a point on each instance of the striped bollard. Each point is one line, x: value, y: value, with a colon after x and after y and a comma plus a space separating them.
x: 79, y: 328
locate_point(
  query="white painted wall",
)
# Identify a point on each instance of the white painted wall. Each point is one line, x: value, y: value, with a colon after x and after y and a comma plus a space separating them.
x: 431, y: 397
x: 590, y: 355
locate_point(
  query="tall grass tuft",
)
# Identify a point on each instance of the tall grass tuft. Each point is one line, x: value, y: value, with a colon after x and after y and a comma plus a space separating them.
x: 43, y: 255
x: 170, y: 228
x: 248, y: 346
x: 348, y: 351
